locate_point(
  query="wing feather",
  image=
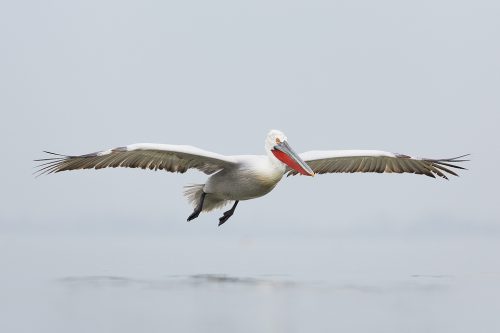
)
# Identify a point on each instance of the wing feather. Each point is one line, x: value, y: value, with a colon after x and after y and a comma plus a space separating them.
x: 172, y: 158
x: 350, y: 161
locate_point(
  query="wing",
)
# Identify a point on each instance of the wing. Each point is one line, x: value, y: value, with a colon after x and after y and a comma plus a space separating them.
x: 173, y: 158
x: 349, y: 161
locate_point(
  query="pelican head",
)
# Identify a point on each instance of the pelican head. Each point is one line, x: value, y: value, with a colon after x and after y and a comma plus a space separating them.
x: 276, y: 143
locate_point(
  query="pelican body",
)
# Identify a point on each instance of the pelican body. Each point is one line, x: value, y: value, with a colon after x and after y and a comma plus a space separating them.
x: 244, y: 177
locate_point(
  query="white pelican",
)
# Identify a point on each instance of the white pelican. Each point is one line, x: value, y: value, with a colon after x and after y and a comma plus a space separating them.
x: 243, y: 177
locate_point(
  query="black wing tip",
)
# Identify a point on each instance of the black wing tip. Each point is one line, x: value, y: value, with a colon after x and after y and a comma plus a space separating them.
x: 445, y: 164
x: 47, y: 164
x: 60, y: 156
x: 52, y: 153
x: 457, y: 159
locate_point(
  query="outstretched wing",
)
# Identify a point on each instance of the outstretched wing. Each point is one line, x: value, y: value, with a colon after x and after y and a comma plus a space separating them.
x: 173, y: 158
x: 349, y: 161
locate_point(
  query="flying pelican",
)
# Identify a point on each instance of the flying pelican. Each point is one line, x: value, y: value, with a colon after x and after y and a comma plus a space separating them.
x: 244, y: 177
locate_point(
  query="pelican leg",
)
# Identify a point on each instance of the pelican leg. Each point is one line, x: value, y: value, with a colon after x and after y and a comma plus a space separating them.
x: 228, y: 214
x: 198, y: 208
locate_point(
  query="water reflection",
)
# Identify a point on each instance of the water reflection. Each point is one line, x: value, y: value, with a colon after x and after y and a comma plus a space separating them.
x: 419, y: 283
x: 176, y: 281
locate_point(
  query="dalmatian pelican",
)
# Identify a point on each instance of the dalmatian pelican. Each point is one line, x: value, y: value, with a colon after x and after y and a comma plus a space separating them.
x: 244, y: 177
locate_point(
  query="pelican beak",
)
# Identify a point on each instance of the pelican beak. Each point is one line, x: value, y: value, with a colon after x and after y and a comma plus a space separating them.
x: 285, y: 154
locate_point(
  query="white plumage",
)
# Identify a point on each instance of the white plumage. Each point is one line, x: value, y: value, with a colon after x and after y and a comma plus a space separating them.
x: 243, y: 177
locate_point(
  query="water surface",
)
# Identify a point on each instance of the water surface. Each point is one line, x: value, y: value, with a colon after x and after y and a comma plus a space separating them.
x: 93, y: 282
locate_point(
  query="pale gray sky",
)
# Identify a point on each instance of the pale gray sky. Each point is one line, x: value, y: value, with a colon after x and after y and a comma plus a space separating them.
x: 420, y: 78
x: 110, y: 250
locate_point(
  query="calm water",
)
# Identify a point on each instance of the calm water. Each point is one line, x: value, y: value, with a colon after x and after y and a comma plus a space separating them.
x: 228, y: 283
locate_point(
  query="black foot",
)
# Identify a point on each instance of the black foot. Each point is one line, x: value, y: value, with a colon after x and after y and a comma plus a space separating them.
x: 228, y: 214
x: 198, y: 208
x: 193, y: 216
x: 225, y: 217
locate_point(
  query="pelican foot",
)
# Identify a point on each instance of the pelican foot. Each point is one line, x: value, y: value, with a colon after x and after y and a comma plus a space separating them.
x: 198, y: 208
x: 228, y: 214
x: 193, y: 216
x: 225, y: 217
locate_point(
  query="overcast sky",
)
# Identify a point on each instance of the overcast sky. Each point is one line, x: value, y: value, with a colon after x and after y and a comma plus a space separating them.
x: 420, y: 78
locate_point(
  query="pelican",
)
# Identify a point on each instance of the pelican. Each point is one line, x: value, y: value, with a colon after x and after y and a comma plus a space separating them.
x: 244, y: 177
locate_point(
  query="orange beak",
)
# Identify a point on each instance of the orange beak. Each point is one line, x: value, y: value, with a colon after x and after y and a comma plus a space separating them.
x: 285, y: 154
